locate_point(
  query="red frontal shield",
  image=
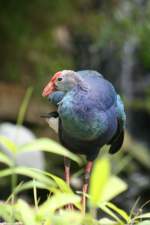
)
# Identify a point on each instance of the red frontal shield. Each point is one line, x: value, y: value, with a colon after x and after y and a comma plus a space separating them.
x: 50, y: 87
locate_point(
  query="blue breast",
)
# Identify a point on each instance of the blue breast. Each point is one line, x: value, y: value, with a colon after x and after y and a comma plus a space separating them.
x: 90, y: 114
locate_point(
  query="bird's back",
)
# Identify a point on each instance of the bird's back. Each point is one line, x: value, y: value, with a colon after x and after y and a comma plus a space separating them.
x: 101, y: 91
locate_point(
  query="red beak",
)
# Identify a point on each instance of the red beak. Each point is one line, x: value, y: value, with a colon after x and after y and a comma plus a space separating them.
x: 49, y: 88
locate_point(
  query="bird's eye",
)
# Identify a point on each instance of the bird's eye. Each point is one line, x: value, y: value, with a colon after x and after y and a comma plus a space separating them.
x: 59, y: 78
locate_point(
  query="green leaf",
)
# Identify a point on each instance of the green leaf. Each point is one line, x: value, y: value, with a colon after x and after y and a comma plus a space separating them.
x: 29, y: 172
x: 110, y: 213
x: 26, y: 186
x: 48, y: 145
x: 121, y: 212
x: 30, y: 185
x: 5, y: 159
x: 26, y: 213
x: 57, y: 201
x: 113, y: 187
x: 146, y: 222
x: 143, y: 216
x: 99, y: 179
x: 63, y: 186
x: 24, y: 106
x: 106, y: 221
x: 67, y: 218
x: 6, y: 212
x: 35, y: 195
x: 71, y: 217
x: 10, y: 145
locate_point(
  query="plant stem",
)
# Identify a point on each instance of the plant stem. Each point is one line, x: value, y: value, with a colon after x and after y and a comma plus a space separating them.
x: 13, y: 186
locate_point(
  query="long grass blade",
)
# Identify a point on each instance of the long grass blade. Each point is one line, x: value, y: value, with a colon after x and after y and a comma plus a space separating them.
x: 24, y: 106
x: 48, y: 145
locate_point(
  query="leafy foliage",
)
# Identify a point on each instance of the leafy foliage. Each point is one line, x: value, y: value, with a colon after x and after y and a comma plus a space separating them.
x: 103, y: 187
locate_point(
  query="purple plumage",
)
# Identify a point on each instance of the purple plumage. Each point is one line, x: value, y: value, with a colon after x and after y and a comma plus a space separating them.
x: 91, y: 113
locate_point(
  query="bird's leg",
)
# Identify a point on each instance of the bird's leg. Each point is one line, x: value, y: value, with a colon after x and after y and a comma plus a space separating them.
x: 67, y: 170
x: 67, y: 176
x: 88, y: 169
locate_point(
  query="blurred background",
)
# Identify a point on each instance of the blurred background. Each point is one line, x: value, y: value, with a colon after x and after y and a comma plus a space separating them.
x: 38, y: 38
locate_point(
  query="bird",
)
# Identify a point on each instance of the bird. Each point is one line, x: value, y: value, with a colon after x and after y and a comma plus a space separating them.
x: 91, y: 114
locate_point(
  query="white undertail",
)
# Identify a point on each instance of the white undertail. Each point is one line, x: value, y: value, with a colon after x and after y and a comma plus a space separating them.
x: 53, y: 123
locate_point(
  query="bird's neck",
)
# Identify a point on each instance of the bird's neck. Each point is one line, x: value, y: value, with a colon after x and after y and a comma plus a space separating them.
x: 82, y: 84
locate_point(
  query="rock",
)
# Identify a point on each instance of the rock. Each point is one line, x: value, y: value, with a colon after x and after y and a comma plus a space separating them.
x: 21, y: 135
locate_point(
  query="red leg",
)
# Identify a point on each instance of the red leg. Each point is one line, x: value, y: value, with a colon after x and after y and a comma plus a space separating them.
x: 67, y: 176
x: 88, y: 169
x: 67, y: 170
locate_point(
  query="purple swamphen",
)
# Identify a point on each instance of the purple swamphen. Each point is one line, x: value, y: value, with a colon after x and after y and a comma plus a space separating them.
x: 91, y: 114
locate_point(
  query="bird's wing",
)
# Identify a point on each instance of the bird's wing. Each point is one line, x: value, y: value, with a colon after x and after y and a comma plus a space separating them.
x: 100, y: 90
x: 118, y: 138
x: 120, y: 111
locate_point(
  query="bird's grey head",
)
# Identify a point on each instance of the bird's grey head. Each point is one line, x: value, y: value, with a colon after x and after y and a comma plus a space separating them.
x: 67, y: 80
x: 64, y: 80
